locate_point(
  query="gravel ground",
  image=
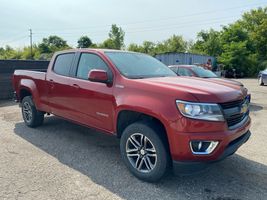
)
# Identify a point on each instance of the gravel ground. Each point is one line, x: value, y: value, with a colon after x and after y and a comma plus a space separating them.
x: 61, y: 160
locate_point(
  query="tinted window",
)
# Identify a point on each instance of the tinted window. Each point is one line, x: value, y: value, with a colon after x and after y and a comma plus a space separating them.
x: 203, y: 73
x: 137, y: 65
x: 63, y: 63
x: 184, y: 72
x: 87, y: 63
x: 174, y: 69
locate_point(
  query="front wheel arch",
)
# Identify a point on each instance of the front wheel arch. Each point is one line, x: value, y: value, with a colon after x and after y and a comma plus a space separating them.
x: 128, y: 117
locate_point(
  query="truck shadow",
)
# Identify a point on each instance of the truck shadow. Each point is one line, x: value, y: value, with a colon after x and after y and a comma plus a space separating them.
x: 255, y: 107
x: 97, y: 156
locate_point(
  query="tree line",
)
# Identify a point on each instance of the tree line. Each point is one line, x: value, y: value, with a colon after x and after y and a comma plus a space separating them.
x: 241, y: 45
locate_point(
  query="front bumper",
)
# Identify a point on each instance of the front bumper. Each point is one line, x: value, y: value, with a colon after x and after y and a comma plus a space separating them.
x: 232, y: 147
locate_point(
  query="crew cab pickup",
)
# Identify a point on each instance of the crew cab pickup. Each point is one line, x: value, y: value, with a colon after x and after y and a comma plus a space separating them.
x: 163, y: 121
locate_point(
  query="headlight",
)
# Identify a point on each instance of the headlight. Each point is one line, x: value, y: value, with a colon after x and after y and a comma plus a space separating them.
x: 204, y: 111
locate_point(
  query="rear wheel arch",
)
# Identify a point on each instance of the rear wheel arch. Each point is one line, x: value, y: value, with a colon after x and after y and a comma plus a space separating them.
x: 23, y: 93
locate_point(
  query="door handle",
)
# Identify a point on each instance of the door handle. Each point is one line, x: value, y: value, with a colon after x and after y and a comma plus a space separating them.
x: 76, y: 86
x: 51, y: 81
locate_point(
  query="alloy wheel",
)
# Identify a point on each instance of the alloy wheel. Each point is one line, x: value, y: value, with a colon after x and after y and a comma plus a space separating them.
x: 27, y: 112
x: 141, y: 153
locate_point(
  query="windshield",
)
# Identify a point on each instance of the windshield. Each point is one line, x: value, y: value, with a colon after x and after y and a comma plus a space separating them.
x: 203, y: 73
x: 137, y: 65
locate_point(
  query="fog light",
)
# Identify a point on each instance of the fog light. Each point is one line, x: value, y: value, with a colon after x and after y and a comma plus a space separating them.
x: 203, y: 147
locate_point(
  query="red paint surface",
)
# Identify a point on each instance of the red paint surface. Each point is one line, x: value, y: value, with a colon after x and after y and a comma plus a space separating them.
x: 97, y: 105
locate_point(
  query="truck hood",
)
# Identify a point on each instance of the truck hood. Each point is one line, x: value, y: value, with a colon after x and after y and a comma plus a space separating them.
x: 202, y: 90
x: 226, y: 81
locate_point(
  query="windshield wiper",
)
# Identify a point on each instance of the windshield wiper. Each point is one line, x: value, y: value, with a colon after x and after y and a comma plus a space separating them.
x: 137, y: 77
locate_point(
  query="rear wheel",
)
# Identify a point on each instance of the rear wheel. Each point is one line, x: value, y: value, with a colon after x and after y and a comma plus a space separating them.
x: 144, y: 152
x: 261, y: 81
x: 31, y: 116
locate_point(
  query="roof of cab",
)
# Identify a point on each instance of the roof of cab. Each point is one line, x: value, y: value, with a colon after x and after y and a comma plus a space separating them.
x: 93, y: 49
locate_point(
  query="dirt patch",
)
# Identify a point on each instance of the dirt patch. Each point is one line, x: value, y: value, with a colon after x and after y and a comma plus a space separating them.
x: 11, y: 117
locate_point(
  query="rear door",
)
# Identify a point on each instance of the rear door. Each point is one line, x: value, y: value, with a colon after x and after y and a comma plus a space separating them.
x: 59, y: 89
x: 94, y: 102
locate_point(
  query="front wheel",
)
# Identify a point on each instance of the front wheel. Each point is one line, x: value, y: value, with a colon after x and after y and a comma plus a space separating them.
x: 144, y: 152
x: 31, y: 116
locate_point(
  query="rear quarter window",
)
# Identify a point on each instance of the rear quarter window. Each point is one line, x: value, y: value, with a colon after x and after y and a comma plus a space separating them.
x: 63, y: 64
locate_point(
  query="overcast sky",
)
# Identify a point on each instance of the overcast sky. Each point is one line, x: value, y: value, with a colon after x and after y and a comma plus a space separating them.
x: 153, y: 20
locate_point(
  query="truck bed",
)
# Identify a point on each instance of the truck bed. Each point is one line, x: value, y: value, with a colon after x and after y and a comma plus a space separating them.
x: 36, y: 78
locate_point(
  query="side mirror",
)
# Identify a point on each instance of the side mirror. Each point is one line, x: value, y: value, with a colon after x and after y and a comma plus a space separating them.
x: 100, y: 76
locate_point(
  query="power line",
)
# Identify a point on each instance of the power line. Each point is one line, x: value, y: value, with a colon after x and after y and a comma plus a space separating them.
x: 159, y: 19
x: 157, y: 28
x: 133, y: 29
x: 14, y: 40
x: 162, y: 27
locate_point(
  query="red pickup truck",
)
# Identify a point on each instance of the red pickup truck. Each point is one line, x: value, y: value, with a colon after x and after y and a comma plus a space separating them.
x: 163, y: 121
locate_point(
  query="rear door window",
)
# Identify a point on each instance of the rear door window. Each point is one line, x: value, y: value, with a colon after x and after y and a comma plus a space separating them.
x: 63, y: 64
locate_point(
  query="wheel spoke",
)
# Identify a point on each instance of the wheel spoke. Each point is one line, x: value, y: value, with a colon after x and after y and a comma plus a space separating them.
x: 132, y: 150
x: 132, y: 155
x: 137, y: 162
x: 151, y: 155
x: 151, y: 150
x: 145, y: 142
x: 142, y: 140
x: 135, y: 141
x: 147, y: 163
x: 140, y: 164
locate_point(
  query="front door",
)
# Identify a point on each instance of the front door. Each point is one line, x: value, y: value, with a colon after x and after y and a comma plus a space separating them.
x: 93, y: 103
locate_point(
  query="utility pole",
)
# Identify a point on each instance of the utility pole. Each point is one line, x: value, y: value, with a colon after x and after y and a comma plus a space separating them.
x: 31, y: 42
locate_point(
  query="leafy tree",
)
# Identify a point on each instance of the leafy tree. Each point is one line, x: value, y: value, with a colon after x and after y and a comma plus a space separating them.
x: 9, y: 53
x: 255, y: 24
x: 208, y: 42
x: 135, y: 47
x: 26, y: 52
x: 116, y: 36
x: 235, y: 49
x: 147, y: 47
x: 51, y: 44
x: 115, y: 40
x: 235, y: 56
x: 84, y: 42
x: 241, y: 45
x: 175, y: 43
x: 108, y: 44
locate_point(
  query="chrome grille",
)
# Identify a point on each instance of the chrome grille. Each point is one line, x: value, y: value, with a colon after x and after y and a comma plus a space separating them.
x: 233, y: 112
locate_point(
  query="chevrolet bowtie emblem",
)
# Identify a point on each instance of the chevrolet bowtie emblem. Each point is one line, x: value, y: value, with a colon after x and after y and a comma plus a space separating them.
x: 244, y: 108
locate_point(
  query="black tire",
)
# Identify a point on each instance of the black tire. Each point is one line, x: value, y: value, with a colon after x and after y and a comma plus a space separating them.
x: 31, y: 116
x: 160, y: 163
x: 261, y: 81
